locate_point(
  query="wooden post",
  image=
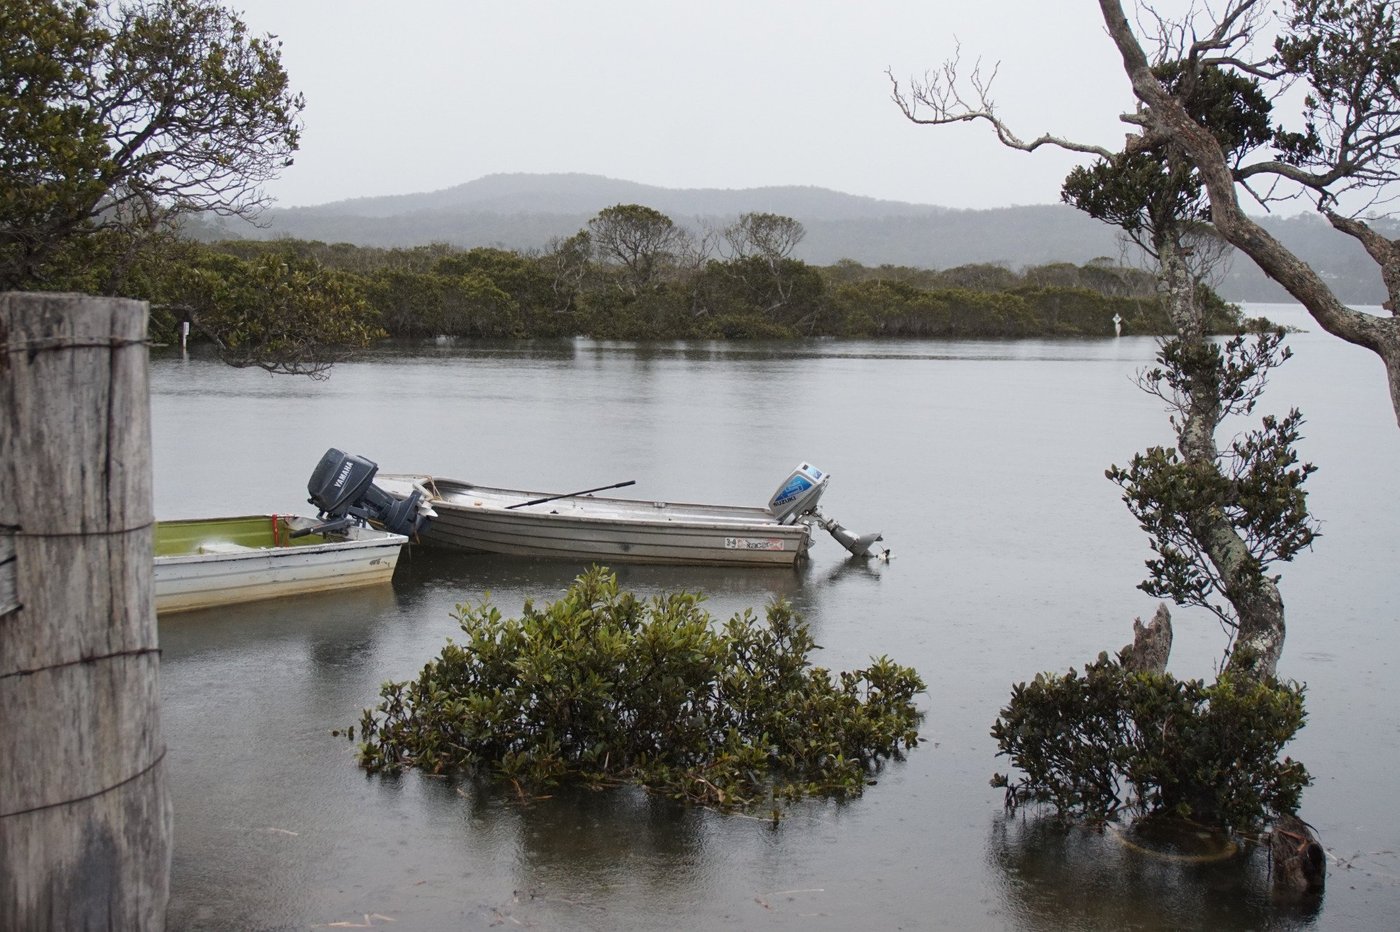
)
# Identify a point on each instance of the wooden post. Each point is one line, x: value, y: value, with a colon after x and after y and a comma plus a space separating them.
x: 85, y: 818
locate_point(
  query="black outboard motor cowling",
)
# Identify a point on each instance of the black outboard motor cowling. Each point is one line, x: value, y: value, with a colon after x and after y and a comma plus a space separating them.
x: 342, y: 487
x: 340, y: 480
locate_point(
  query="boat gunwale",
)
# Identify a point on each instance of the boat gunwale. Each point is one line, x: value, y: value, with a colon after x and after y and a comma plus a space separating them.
x: 751, y: 517
x: 363, y: 538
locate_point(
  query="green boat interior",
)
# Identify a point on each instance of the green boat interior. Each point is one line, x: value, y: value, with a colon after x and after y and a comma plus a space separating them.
x: 228, y: 535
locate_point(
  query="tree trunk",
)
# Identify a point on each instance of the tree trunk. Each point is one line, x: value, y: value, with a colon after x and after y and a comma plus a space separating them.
x: 1258, y: 641
x: 1178, y: 287
x: 1298, y: 860
x: 1258, y: 605
x: 85, y: 816
x: 1152, y: 644
x: 1165, y: 118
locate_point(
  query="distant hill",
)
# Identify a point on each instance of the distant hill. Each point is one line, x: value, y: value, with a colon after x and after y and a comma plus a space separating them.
x: 524, y: 212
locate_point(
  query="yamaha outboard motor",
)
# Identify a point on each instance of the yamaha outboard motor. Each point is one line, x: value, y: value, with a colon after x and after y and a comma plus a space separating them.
x: 342, y: 487
x: 796, y: 500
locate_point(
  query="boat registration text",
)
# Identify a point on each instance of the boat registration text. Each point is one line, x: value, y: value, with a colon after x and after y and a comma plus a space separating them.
x: 751, y: 543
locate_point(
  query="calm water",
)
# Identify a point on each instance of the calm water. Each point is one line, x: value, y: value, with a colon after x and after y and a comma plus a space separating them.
x: 982, y: 463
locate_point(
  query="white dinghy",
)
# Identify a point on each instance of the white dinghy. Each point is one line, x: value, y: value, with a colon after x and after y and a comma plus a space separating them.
x: 204, y: 562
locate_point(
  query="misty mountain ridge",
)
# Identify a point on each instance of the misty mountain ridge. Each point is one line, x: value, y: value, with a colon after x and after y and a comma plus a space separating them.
x: 525, y: 212
x: 573, y: 193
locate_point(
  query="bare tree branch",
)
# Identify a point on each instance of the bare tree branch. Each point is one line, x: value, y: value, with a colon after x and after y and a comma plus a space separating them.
x: 944, y: 97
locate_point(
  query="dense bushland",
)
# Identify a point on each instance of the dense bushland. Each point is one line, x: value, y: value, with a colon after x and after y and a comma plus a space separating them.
x: 493, y: 293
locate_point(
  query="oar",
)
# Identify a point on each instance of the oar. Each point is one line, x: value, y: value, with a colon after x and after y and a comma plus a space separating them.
x: 550, y: 498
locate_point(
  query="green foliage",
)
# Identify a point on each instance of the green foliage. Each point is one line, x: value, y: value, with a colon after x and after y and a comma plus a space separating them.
x: 893, y: 308
x: 1136, y: 192
x: 980, y: 276
x: 428, y: 304
x: 1222, y: 317
x: 54, y: 147
x: 741, y: 326
x: 1233, y: 105
x: 640, y: 240
x: 600, y: 687
x: 1078, y: 311
x: 1255, y: 486
x: 664, y: 312
x: 125, y: 115
x: 525, y: 288
x: 770, y: 295
x: 276, y: 311
x: 1101, y: 275
x: 1346, y: 54
x: 1152, y: 194
x: 1089, y: 745
x: 439, y: 289
x: 410, y: 303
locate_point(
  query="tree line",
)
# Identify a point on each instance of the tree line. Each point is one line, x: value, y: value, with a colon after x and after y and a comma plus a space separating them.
x: 124, y: 122
x: 632, y: 274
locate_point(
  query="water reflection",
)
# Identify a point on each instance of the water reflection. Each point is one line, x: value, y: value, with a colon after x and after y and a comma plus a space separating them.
x: 436, y: 574
x: 644, y: 354
x: 857, y: 568
x: 1149, y: 877
x: 458, y: 348
x: 328, y: 625
x: 609, y: 840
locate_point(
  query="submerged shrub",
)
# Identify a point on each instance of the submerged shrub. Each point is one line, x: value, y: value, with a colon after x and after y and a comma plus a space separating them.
x: 600, y: 687
x: 1092, y: 744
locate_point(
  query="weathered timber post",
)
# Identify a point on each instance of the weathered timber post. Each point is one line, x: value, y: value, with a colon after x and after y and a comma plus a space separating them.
x: 85, y: 818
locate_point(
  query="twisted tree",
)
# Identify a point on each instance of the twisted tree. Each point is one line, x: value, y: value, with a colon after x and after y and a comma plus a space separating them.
x: 1344, y: 155
x: 1346, y: 56
x: 1218, y: 517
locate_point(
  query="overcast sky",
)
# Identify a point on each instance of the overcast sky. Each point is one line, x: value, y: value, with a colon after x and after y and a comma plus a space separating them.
x: 421, y: 95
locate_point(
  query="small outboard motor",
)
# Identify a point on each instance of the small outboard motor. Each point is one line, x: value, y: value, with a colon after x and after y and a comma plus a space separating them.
x: 342, y: 488
x: 796, y: 500
x: 798, y: 494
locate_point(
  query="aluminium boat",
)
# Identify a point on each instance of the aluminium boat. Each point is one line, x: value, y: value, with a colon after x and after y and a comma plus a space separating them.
x: 205, y: 562
x: 599, y: 529
x: 582, y: 526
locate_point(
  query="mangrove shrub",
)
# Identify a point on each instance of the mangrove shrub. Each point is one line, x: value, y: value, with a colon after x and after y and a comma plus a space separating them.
x: 601, y: 687
x: 1089, y: 745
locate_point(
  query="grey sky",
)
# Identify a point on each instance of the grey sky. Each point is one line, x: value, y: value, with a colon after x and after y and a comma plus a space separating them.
x: 421, y: 95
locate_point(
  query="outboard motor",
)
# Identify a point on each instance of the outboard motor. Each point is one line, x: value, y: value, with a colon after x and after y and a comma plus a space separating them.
x: 858, y: 545
x: 796, y: 500
x: 342, y: 488
x: 798, y: 494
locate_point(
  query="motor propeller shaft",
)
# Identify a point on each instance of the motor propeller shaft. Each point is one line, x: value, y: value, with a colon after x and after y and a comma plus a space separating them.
x: 858, y: 544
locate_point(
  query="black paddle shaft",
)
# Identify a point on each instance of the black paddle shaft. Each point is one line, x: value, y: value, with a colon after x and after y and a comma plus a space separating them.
x: 550, y: 498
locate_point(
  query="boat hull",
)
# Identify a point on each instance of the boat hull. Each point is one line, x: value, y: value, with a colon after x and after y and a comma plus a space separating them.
x: 602, y: 530
x: 207, y: 563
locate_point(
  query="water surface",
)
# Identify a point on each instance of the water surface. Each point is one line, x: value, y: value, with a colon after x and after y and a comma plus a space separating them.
x: 982, y: 463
